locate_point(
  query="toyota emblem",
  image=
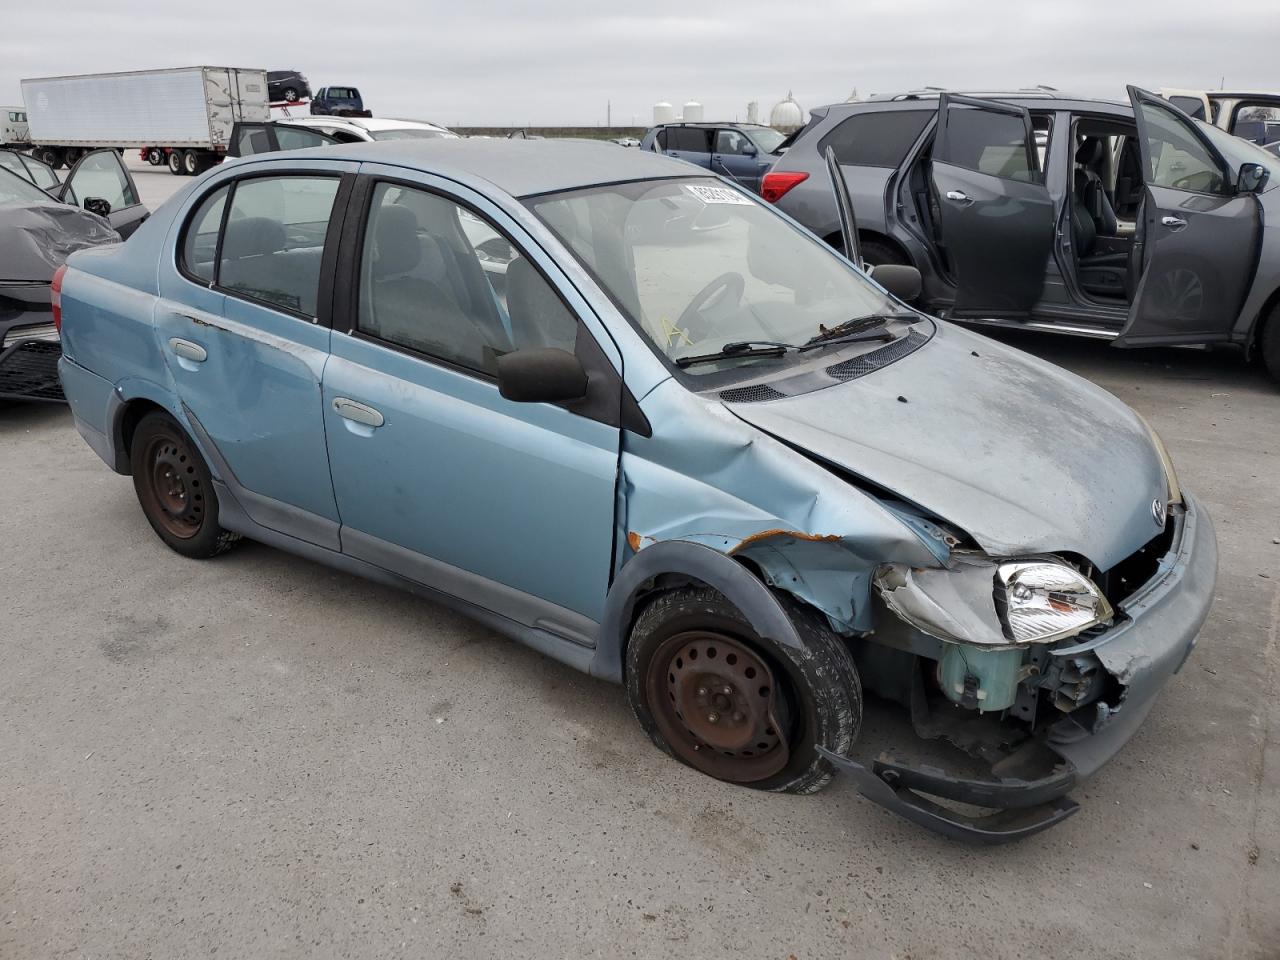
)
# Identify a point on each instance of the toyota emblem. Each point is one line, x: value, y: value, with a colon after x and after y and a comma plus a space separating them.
x: 1158, y: 512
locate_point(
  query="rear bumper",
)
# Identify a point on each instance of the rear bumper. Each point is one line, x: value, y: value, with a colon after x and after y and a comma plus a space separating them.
x: 1163, y: 621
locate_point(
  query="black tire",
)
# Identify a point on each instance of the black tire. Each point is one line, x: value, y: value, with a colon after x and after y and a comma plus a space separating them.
x: 155, y: 156
x: 291, y: 94
x: 175, y: 489
x: 816, y: 693
x: 174, y: 162
x: 877, y: 254
x: 191, y: 160
x: 1269, y: 344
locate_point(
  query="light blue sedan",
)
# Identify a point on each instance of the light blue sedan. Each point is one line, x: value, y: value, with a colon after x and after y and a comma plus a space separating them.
x: 621, y: 411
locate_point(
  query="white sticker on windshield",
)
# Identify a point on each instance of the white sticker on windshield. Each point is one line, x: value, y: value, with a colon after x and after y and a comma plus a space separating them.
x: 716, y: 194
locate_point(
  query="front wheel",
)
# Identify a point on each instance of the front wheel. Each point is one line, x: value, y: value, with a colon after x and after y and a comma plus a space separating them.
x: 175, y: 488
x: 712, y: 693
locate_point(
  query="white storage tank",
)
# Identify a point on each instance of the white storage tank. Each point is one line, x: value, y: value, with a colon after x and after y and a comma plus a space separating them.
x: 692, y: 112
x: 787, y: 116
x: 663, y: 113
x: 753, y: 112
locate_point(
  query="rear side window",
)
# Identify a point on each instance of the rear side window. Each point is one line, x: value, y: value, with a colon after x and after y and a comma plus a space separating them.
x: 200, y: 246
x: 274, y: 240
x: 988, y: 142
x: 879, y: 139
x: 690, y: 139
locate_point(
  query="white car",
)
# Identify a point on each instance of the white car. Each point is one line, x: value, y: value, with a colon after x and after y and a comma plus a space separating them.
x: 1253, y: 116
x: 359, y: 129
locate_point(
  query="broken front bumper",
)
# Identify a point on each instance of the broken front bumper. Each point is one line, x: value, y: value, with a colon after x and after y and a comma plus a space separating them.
x: 1158, y: 628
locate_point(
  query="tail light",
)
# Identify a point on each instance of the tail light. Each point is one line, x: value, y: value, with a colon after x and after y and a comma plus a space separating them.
x: 55, y: 296
x: 775, y: 185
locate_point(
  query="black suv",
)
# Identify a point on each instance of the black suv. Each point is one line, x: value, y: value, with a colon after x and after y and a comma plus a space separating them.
x: 1127, y: 221
x: 287, y: 86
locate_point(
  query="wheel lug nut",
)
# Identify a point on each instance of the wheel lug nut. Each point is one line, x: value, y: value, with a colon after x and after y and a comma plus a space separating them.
x: 702, y: 691
x: 737, y: 718
x: 712, y: 717
x: 727, y: 691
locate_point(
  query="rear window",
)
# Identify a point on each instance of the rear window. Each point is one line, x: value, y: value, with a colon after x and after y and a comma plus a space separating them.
x: 879, y: 139
x: 693, y: 139
x: 343, y: 93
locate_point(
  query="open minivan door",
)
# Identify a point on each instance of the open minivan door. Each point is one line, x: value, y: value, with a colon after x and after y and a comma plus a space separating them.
x: 1198, y: 234
x: 995, y: 215
x: 102, y: 184
x: 252, y: 138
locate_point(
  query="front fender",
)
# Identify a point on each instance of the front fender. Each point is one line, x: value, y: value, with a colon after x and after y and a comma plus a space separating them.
x: 684, y: 559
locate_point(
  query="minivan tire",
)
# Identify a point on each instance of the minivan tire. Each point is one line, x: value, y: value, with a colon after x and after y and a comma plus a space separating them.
x: 816, y: 694
x: 175, y: 489
x: 1269, y: 343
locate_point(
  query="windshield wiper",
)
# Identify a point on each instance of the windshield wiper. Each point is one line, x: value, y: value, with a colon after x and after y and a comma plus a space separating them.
x: 857, y: 325
x: 739, y: 348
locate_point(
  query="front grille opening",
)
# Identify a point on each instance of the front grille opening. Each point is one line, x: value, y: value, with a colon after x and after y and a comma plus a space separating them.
x: 1121, y: 581
x: 31, y: 370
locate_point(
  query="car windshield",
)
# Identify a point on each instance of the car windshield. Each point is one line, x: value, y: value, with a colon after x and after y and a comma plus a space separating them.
x: 696, y: 265
x: 407, y: 133
x: 15, y: 189
x: 766, y: 140
x: 1237, y: 151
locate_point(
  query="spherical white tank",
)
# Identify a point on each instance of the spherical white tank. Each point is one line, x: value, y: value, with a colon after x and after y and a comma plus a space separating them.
x: 663, y: 112
x: 693, y: 112
x: 787, y: 116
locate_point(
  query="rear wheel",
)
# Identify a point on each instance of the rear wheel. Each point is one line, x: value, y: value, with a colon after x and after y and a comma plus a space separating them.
x: 711, y: 692
x: 191, y: 163
x: 1269, y: 344
x: 291, y: 94
x: 174, y: 161
x: 175, y: 489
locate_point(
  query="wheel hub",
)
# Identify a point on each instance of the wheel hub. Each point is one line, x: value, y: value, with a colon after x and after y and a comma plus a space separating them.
x: 175, y: 488
x: 714, y: 699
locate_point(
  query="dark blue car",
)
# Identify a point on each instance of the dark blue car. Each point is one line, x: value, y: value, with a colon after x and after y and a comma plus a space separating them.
x: 338, y: 102
x: 743, y: 152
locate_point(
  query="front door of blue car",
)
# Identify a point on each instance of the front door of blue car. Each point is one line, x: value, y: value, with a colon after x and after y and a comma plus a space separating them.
x: 240, y: 326
x: 438, y: 477
x: 734, y: 155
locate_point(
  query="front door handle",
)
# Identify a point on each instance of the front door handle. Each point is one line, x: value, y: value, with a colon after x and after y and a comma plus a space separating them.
x: 959, y: 196
x: 1173, y: 223
x: 188, y: 350
x: 357, y: 412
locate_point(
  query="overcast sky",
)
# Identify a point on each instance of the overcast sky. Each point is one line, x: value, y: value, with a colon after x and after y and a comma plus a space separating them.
x: 496, y: 62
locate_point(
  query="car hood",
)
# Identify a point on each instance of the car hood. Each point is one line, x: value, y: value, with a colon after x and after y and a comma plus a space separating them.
x: 37, y: 238
x: 1024, y: 456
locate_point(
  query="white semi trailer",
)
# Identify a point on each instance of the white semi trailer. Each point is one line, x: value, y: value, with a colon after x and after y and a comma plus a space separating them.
x: 182, y: 116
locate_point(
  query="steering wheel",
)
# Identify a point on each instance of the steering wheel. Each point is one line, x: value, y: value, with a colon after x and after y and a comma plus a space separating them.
x: 728, y: 287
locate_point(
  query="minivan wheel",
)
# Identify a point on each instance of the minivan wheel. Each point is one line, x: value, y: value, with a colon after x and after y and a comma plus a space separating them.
x: 715, y: 695
x: 175, y: 489
x: 175, y: 162
x: 1269, y: 344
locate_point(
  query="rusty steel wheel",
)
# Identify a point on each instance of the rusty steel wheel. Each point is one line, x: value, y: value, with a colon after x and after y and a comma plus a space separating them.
x: 715, y: 695
x: 175, y: 488
x: 715, y: 702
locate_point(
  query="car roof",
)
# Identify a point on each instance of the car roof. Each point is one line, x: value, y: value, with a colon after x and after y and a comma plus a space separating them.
x: 713, y: 123
x: 927, y: 99
x: 365, y: 123
x: 521, y: 168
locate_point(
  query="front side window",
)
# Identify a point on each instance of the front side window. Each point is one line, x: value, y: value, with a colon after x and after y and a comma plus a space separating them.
x: 988, y: 142
x: 695, y: 265
x: 1177, y: 158
x: 731, y: 142
x: 101, y: 176
x: 440, y: 280
x: 875, y: 139
x: 274, y: 240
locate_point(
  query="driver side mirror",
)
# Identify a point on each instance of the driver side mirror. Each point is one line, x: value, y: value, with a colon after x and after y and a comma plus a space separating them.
x: 749, y: 150
x: 97, y: 205
x: 1251, y: 178
x: 902, y: 281
x: 543, y: 375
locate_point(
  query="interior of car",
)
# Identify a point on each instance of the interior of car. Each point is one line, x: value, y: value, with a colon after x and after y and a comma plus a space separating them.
x: 1106, y: 190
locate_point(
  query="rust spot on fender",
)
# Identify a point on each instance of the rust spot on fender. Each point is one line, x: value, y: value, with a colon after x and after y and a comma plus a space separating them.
x: 791, y: 534
x: 633, y: 541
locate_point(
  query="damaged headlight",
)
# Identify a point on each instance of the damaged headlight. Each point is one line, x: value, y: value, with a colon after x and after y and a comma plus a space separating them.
x: 1041, y: 601
x: 988, y: 602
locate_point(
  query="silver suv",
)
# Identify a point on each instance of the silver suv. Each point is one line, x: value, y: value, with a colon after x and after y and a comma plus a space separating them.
x: 1130, y: 222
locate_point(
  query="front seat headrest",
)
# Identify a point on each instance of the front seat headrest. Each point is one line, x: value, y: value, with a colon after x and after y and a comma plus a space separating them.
x: 253, y: 237
x: 1090, y: 151
x: 395, y: 238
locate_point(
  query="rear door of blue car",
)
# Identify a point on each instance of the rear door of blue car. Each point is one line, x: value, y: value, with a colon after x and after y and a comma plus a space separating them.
x: 439, y: 477
x: 689, y: 143
x: 243, y: 323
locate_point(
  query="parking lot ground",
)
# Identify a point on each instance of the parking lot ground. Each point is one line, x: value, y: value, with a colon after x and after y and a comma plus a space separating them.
x: 260, y: 757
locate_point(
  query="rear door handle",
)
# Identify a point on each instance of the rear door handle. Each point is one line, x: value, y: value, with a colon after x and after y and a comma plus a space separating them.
x: 1173, y: 223
x: 959, y: 196
x: 357, y: 412
x: 188, y: 350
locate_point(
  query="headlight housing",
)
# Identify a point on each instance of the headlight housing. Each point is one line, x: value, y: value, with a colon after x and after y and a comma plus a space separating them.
x: 994, y: 603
